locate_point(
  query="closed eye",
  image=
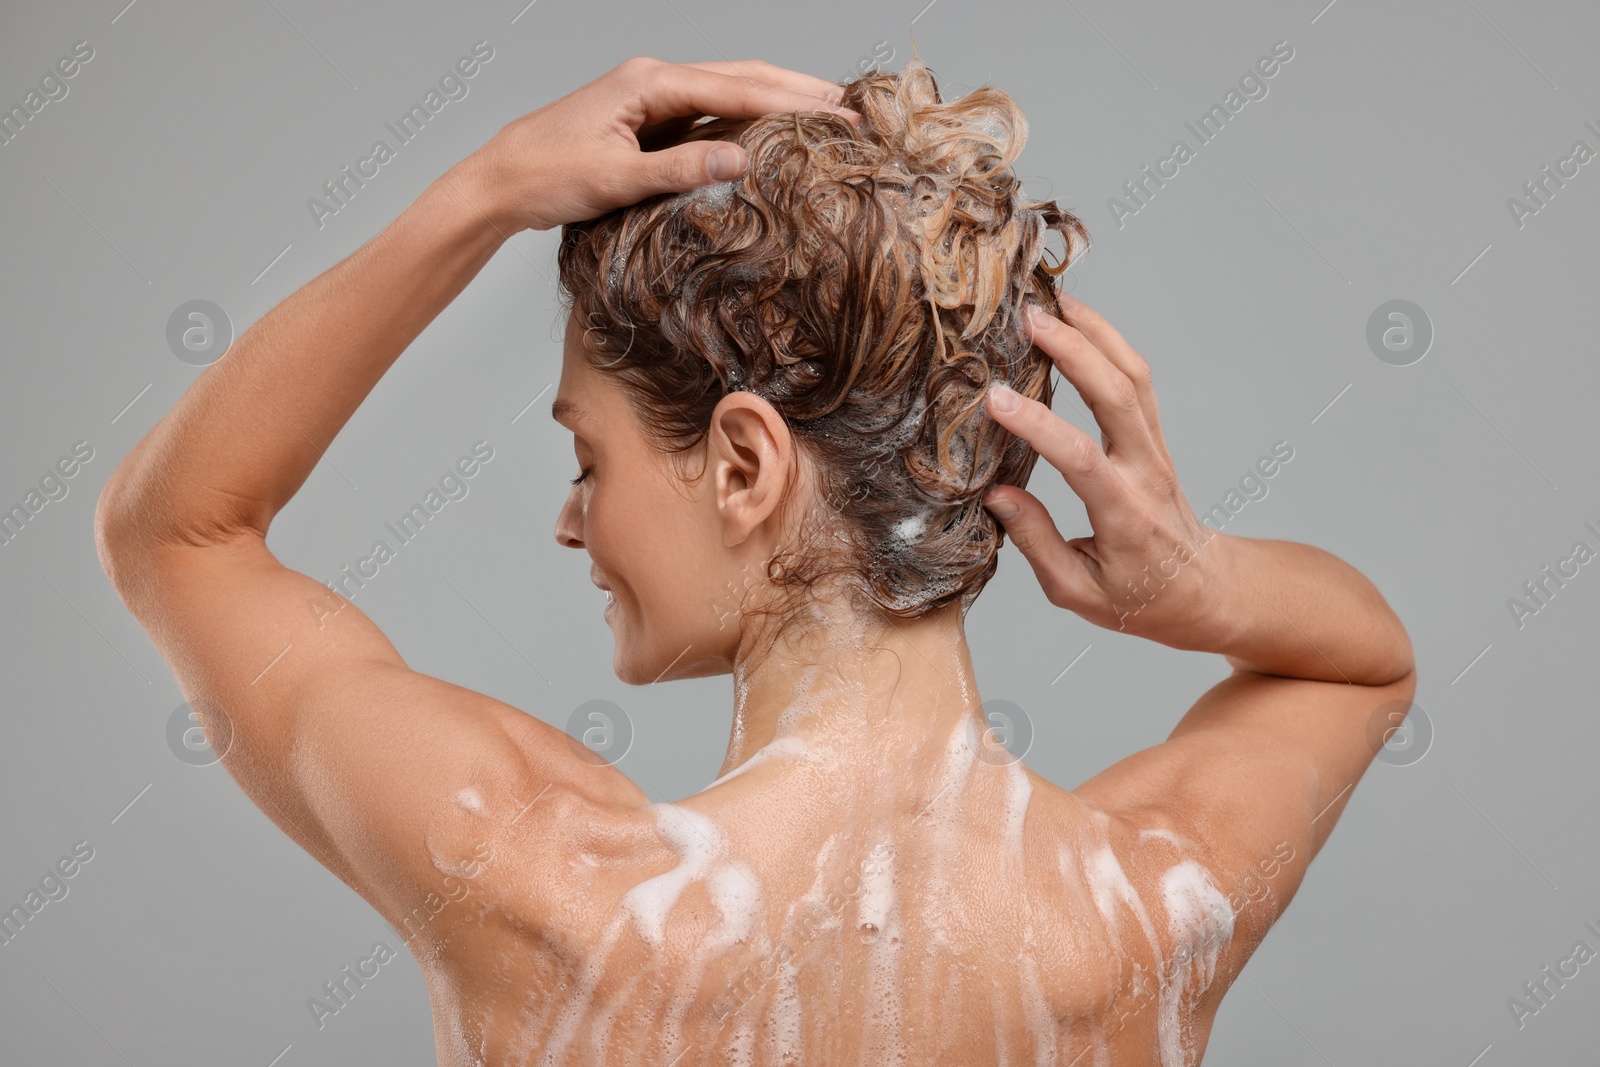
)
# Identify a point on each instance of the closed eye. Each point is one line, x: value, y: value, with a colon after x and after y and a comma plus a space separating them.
x: 582, y: 475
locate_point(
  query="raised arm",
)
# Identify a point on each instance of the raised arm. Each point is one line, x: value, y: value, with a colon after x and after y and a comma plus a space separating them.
x: 1263, y: 764
x: 360, y: 760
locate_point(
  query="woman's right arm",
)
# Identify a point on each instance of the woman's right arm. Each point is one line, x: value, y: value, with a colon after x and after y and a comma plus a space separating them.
x: 1263, y: 764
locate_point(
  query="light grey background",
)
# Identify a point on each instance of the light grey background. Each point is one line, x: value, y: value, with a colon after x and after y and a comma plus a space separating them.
x: 1378, y: 167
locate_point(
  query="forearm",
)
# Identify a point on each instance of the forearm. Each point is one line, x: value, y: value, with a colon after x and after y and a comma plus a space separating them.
x: 246, y: 435
x: 1301, y: 612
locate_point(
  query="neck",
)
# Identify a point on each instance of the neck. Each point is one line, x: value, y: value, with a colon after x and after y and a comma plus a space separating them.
x: 870, y: 691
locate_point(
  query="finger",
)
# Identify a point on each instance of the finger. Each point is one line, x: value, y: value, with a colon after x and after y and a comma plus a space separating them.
x: 1061, y: 569
x: 685, y: 167
x: 673, y: 130
x: 668, y: 90
x: 1107, y: 339
x: 1110, y: 394
x: 760, y: 69
x: 1072, y: 452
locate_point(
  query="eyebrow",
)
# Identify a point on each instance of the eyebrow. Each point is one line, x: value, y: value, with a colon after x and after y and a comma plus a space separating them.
x: 562, y: 408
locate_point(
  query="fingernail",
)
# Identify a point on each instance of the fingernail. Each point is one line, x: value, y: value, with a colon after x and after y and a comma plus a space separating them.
x: 1001, y: 507
x: 723, y: 164
x: 1039, y: 317
x: 1067, y: 303
x: 1003, y: 397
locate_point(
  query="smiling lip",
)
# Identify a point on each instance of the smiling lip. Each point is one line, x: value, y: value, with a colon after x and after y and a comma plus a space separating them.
x: 611, y: 597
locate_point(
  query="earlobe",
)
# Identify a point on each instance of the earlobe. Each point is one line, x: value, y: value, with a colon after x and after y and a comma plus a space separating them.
x: 750, y: 457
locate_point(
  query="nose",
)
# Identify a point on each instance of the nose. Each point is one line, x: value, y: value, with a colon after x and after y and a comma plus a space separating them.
x: 569, y: 524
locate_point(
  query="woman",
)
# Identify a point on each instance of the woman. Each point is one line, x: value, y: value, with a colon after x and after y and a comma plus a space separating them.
x: 777, y: 370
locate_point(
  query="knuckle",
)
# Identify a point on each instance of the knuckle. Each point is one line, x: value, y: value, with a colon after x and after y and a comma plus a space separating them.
x: 1139, y: 372
x: 607, y: 183
x: 1083, y: 453
x: 684, y: 169
x: 638, y: 68
x: 1166, y: 480
x: 1122, y: 393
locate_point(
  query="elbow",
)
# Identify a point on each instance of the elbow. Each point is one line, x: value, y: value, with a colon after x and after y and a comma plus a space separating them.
x: 1399, y: 662
x: 124, y: 530
x: 1403, y: 660
x: 114, y: 531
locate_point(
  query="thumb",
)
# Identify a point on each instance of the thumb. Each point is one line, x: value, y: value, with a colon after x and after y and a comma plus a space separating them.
x: 1059, y: 567
x: 689, y: 166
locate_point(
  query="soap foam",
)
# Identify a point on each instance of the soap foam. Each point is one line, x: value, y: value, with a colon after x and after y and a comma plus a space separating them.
x: 1200, y: 921
x: 786, y: 747
x: 785, y: 1031
x: 734, y: 891
x: 1110, y: 886
x: 694, y: 836
x: 912, y: 526
x: 1018, y: 790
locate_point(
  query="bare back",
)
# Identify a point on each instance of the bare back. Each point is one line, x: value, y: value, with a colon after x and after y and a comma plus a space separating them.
x: 964, y: 912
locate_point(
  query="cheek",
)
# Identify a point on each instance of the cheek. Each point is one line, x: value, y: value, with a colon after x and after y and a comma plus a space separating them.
x: 667, y: 553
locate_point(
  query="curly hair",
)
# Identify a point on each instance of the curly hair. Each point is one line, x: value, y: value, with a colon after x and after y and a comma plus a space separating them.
x: 868, y: 282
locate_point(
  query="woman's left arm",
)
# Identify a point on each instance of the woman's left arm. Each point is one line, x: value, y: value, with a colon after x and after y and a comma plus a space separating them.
x: 351, y: 753
x: 247, y: 434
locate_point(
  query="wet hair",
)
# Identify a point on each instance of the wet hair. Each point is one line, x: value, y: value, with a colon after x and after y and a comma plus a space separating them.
x: 868, y: 282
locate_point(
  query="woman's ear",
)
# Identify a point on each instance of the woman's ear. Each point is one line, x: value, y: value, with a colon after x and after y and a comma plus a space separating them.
x: 750, y: 462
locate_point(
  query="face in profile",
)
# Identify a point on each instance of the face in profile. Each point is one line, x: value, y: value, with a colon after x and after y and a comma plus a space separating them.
x: 656, y: 527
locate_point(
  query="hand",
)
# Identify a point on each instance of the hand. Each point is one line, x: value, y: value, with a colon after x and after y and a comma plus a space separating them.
x: 1150, y: 567
x: 590, y: 151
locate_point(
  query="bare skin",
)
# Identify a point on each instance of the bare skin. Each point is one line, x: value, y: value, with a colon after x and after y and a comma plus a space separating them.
x: 872, y: 878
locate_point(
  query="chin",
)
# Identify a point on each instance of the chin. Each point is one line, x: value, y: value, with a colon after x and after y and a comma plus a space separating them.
x: 661, y: 658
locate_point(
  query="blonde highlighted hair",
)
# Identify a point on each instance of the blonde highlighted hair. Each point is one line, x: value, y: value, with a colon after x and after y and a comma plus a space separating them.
x: 867, y: 281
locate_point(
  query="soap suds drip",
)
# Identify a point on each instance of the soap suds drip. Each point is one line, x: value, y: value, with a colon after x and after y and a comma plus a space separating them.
x: 785, y: 1033
x: 731, y: 885
x: 1200, y: 921
x: 1018, y: 791
x: 789, y: 747
x: 882, y: 1033
x: 1036, y: 1008
x: 576, y: 1007
x: 697, y: 842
